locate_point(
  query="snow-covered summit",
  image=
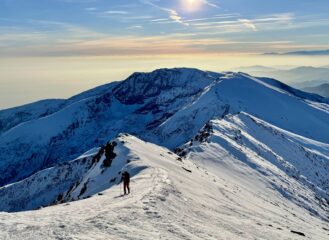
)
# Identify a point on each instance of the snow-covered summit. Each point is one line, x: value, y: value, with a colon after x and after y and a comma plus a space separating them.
x: 166, y: 107
x: 141, y: 86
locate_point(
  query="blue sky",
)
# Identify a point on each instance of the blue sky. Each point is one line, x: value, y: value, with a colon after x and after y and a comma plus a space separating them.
x: 158, y: 27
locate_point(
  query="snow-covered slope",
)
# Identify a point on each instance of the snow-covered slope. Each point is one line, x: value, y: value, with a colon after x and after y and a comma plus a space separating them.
x: 10, y: 118
x: 175, y: 199
x: 91, y: 120
x: 166, y: 107
x: 275, y: 103
x: 46, y: 186
x: 295, y: 166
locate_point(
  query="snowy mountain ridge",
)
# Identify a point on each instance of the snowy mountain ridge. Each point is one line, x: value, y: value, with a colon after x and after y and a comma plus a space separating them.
x: 253, y: 161
x: 255, y: 142
x: 166, y: 107
x: 223, y: 197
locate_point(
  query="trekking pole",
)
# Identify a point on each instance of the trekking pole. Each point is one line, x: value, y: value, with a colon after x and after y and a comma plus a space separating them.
x: 121, y: 191
x: 119, y: 184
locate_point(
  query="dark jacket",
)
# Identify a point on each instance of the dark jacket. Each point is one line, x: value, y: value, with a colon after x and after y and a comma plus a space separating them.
x: 125, y: 177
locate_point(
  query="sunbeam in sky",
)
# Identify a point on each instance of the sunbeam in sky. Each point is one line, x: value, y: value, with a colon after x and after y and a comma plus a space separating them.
x: 192, y: 5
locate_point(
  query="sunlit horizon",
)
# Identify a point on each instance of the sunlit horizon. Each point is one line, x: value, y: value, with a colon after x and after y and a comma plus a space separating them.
x: 58, y: 48
x: 33, y: 79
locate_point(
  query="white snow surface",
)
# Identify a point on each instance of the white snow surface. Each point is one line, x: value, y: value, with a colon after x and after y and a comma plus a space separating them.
x: 281, y: 158
x: 44, y: 187
x: 252, y: 163
x: 173, y: 199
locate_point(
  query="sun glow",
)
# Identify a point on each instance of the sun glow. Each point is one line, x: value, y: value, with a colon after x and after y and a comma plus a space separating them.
x: 192, y: 5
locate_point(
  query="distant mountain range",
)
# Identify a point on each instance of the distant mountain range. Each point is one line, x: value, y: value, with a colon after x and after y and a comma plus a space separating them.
x: 322, y: 90
x: 299, y: 77
x: 307, y: 53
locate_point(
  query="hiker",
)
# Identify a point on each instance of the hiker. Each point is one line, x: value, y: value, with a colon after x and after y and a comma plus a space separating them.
x: 126, y: 180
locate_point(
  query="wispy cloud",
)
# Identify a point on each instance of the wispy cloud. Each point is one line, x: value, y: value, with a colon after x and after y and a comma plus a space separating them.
x: 140, y: 17
x: 248, y: 24
x: 11, y: 38
x: 172, y: 14
x: 77, y: 1
x: 211, y: 4
x: 43, y: 32
x: 156, y: 27
x: 135, y: 27
x: 238, y: 24
x: 159, y: 20
x: 115, y: 12
x: 133, y: 45
x: 171, y: 44
x: 91, y: 9
x: 216, y: 17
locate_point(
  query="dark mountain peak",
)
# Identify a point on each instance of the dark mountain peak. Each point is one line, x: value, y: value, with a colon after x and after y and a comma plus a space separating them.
x: 139, y: 86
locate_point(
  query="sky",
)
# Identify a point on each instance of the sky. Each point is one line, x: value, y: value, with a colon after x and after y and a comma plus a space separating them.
x: 55, y: 48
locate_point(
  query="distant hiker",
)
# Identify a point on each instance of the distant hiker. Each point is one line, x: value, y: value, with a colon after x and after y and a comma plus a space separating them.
x: 126, y: 180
